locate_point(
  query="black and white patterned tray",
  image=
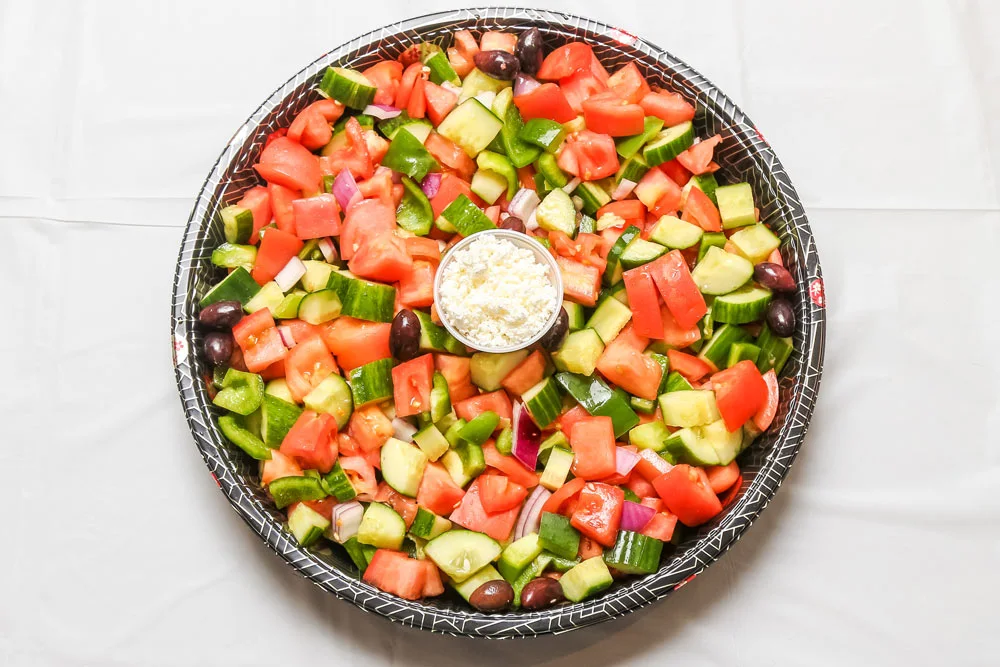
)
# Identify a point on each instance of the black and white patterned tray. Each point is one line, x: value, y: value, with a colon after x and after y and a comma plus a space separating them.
x: 744, y: 156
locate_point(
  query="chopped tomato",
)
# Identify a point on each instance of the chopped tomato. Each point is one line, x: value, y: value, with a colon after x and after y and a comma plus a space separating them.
x: 656, y: 190
x: 721, y: 478
x: 593, y: 443
x: 355, y: 156
x: 438, y: 491
x: 581, y: 283
x: 686, y: 491
x: 599, y: 512
x: 566, y: 159
x: 356, y: 342
x: 405, y: 507
x: 641, y: 487
x: 651, y: 465
x: 382, y: 257
x: 316, y: 217
x: 456, y: 372
x: 451, y: 187
x: 410, y: 77
x: 272, y: 372
x: 661, y: 526
x: 698, y: 158
x: 632, y: 211
x: 493, y: 40
x: 729, y: 496
x: 674, y: 334
x: 676, y: 171
x: 740, y: 392
x: 440, y: 102
x: 671, y: 108
x: 259, y: 340
x: 419, y: 247
x: 629, y: 84
x: 276, y: 248
x: 766, y: 414
x: 580, y: 86
x: 570, y: 417
x: 377, y: 146
x: 396, y: 573
x: 416, y: 288
x: 526, y: 375
x: 509, y: 466
x: 691, y: 367
x: 597, y: 69
x: 310, y: 128
x: 623, y: 363
x: 432, y: 584
x: 461, y: 55
x: 361, y: 472
x: 279, y: 466
x: 379, y: 186
x: 281, y: 206
x: 411, y: 385
x: 526, y: 177
x: 678, y: 289
x: 290, y: 164
x: 301, y: 330
x: 565, y: 60
x: 450, y: 154
x: 607, y: 113
x: 644, y: 302
x: 370, y: 427
x: 699, y: 210
x: 496, y: 401
x: 546, y: 101
x: 498, y: 494
x: 308, y: 364
x: 563, y: 496
x: 312, y: 441
x: 257, y: 200
x: 472, y: 515
x: 416, y: 107
x: 588, y: 549
x: 386, y: 77
x: 365, y: 218
x: 595, y: 154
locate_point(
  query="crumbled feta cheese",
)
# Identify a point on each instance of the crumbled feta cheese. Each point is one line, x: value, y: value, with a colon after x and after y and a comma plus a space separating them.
x: 496, y: 293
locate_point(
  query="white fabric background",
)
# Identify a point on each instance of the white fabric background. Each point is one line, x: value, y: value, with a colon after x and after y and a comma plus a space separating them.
x: 883, y: 546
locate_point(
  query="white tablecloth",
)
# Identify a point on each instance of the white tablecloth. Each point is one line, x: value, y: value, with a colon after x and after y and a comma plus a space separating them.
x: 883, y: 546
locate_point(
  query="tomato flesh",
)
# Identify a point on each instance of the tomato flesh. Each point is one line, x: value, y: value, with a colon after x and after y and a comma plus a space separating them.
x: 598, y: 512
x: 411, y: 385
x: 686, y: 491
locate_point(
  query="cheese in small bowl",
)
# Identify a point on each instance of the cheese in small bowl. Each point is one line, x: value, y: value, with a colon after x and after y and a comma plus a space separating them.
x: 498, y: 291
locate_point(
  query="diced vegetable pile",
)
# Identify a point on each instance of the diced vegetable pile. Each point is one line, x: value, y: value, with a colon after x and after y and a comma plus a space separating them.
x: 520, y: 479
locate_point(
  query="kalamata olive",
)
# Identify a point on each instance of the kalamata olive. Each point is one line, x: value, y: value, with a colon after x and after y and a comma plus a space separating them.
x: 494, y: 595
x: 774, y: 277
x: 498, y: 64
x: 529, y: 51
x: 514, y: 223
x: 218, y: 348
x: 780, y: 317
x: 541, y: 593
x: 554, y: 336
x: 221, y: 315
x: 404, y: 335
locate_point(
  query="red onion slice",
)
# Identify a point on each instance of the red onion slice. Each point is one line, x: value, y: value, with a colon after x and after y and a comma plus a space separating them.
x: 625, y: 460
x: 345, y: 189
x: 403, y: 430
x: 531, y: 514
x: 572, y: 185
x: 524, y: 203
x: 635, y: 516
x: 624, y: 189
x: 328, y: 249
x: 287, y: 337
x: 381, y: 111
x: 291, y: 274
x: 524, y: 84
x: 431, y: 184
x: 346, y: 518
x: 527, y: 437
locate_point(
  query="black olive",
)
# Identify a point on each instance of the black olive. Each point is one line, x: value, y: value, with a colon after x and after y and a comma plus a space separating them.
x: 498, y: 64
x: 553, y: 337
x: 404, y: 335
x: 529, y: 51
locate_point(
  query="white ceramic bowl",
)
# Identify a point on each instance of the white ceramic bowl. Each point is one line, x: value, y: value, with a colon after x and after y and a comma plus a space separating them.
x: 542, y: 256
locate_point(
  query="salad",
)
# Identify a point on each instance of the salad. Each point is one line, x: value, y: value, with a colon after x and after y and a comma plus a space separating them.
x: 515, y: 480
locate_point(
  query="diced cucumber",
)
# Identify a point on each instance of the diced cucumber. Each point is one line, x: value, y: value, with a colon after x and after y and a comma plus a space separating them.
x: 585, y: 224
x: 357, y: 553
x: 576, y: 315
x: 557, y: 439
x: 237, y: 224
x: 465, y: 217
x: 479, y: 429
x: 476, y: 82
x: 350, y: 88
x: 548, y: 167
x: 270, y: 296
x: 431, y: 442
x: 629, y: 146
x: 613, y: 271
x: 639, y: 252
x: 467, y: 587
x: 288, y: 490
x: 488, y: 185
x: 544, y: 133
x: 472, y: 126
x: 687, y: 446
x: 721, y: 272
x: 317, y: 275
x: 555, y: 534
x: 277, y: 418
x: 402, y: 466
x: 642, y: 405
x: 363, y: 299
x: 746, y: 304
x: 735, y: 205
x: 669, y: 143
x: 755, y: 242
x: 237, y: 286
x: 634, y: 553
x: 241, y: 392
x: 338, y: 484
x: 579, y: 352
x: 236, y: 431
x: 742, y: 352
x: 556, y: 213
x: 716, y: 350
x: 707, y: 184
x: 588, y: 578
x: 427, y: 525
x: 332, y: 396
x: 632, y: 169
x: 677, y: 382
x: 464, y: 462
x: 520, y: 152
x: 371, y: 382
x: 279, y: 389
x: 381, y: 527
x: 725, y: 443
x: 673, y: 232
x: 593, y: 196
x: 774, y: 351
x: 710, y: 240
x: 664, y: 363
x: 651, y: 435
x: 462, y: 553
x: 617, y: 291
x: 599, y: 399
x: 418, y: 127
x: 435, y: 338
x: 441, y: 69
x: 451, y: 434
x: 489, y: 370
x: 609, y: 318
x: 306, y: 524
x: 231, y: 255
x: 688, y: 408
x: 518, y: 555
x: 556, y: 468
x: 543, y: 402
